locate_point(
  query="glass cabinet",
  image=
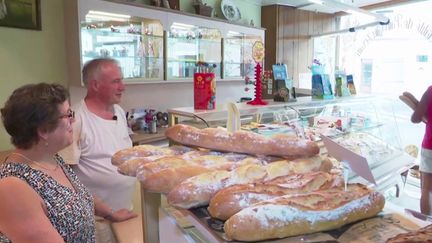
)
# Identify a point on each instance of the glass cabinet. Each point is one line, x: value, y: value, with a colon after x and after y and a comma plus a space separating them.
x: 188, y: 45
x: 238, y: 60
x: 136, y: 43
x: 152, y: 45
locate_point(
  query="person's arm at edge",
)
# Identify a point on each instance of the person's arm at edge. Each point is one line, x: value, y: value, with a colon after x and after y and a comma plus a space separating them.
x: 421, y: 108
x: 104, y: 211
x: 23, y: 218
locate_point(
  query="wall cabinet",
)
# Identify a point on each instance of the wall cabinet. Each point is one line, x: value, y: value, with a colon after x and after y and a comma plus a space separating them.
x: 137, y: 45
x: 153, y: 44
x: 188, y: 45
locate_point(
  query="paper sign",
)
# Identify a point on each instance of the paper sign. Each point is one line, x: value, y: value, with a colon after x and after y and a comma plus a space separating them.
x: 357, y: 163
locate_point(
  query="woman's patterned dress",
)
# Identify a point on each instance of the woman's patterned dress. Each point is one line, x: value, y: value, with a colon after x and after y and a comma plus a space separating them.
x: 70, y: 212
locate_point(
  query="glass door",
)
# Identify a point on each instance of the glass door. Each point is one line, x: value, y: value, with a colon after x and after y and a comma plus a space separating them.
x: 238, y: 58
x: 136, y: 43
x: 188, y: 45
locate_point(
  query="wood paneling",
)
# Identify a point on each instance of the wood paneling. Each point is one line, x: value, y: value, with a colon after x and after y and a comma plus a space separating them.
x: 288, y: 38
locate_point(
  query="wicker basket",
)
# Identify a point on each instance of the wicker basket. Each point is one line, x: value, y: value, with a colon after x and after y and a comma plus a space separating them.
x: 203, y: 10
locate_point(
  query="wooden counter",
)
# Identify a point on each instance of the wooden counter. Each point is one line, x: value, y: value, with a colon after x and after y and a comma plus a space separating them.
x: 129, y: 231
x: 141, y: 137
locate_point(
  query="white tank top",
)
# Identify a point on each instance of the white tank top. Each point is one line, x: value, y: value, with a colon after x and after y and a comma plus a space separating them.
x: 98, y: 139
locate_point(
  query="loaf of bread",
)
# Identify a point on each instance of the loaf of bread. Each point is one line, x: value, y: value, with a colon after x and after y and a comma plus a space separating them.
x: 304, y: 213
x: 165, y: 180
x: 421, y: 235
x: 131, y: 166
x: 242, y: 141
x: 197, y: 191
x: 228, y: 201
x: 411, y: 102
x: 139, y: 151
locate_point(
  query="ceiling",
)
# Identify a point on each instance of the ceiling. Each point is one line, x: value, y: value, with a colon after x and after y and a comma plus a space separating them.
x: 327, y: 6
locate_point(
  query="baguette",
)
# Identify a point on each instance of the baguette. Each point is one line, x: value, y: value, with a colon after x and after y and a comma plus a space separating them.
x: 231, y: 200
x: 166, y: 179
x: 304, y: 213
x: 124, y: 155
x: 130, y: 167
x: 242, y: 141
x: 197, y: 191
x: 411, y: 102
x: 421, y: 235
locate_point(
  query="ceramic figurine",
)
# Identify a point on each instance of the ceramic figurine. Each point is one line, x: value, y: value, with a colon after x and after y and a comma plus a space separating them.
x: 165, y: 3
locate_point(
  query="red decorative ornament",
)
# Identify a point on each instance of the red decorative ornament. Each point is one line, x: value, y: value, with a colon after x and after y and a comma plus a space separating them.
x: 258, y: 87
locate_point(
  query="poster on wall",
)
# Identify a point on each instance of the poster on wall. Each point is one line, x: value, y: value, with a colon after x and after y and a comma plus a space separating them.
x: 24, y: 14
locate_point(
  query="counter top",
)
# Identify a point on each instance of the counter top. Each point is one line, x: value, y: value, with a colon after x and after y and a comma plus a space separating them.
x: 129, y: 231
x: 245, y: 109
x: 141, y: 137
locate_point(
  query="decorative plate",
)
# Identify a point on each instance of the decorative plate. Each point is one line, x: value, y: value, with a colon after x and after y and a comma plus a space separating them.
x: 230, y: 11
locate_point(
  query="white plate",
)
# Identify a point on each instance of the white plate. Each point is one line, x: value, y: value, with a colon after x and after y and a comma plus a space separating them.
x: 230, y: 11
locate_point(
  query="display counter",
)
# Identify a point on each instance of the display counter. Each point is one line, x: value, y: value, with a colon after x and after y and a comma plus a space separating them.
x: 358, y: 115
x: 366, y: 125
x: 391, y: 221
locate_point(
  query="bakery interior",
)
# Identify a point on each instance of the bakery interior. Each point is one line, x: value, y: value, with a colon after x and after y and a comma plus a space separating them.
x: 364, y: 54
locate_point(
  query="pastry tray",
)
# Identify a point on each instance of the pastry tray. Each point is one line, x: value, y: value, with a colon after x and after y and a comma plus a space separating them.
x: 372, y: 148
x: 198, y: 224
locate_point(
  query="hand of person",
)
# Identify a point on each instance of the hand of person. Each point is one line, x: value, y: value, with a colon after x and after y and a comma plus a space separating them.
x: 411, y: 97
x: 121, y: 215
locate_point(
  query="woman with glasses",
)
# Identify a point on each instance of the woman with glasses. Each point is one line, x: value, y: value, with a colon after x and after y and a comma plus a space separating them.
x: 42, y: 199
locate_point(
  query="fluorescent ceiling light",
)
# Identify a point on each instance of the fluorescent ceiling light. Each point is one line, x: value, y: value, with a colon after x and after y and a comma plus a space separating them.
x: 233, y: 33
x: 105, y: 14
x: 316, y: 1
x: 183, y: 26
x: 90, y: 18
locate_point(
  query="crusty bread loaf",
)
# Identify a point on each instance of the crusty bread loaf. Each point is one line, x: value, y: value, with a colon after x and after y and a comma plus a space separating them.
x: 139, y: 151
x: 197, y: 191
x: 411, y: 102
x: 303, y: 213
x: 148, y: 169
x: 165, y: 180
x: 228, y: 201
x: 130, y: 167
x: 242, y: 141
x: 421, y: 235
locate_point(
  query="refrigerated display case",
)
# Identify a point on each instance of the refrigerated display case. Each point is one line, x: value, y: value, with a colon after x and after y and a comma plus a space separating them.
x: 365, y: 125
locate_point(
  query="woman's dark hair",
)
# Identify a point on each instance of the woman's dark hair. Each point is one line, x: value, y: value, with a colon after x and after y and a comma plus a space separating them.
x: 31, y: 107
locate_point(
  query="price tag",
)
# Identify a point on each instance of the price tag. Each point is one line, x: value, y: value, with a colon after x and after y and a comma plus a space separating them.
x: 357, y: 163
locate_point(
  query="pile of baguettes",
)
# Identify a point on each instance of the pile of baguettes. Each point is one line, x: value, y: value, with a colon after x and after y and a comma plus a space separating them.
x: 263, y: 187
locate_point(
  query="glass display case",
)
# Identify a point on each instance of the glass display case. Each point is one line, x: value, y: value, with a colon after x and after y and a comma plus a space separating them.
x: 237, y: 55
x: 135, y: 42
x: 364, y: 125
x: 151, y: 44
x: 188, y: 45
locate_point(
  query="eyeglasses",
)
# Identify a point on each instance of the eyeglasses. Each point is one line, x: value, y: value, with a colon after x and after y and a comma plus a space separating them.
x: 70, y: 114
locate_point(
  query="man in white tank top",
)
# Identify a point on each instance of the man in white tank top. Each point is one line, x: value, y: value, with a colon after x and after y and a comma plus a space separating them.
x: 100, y: 130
